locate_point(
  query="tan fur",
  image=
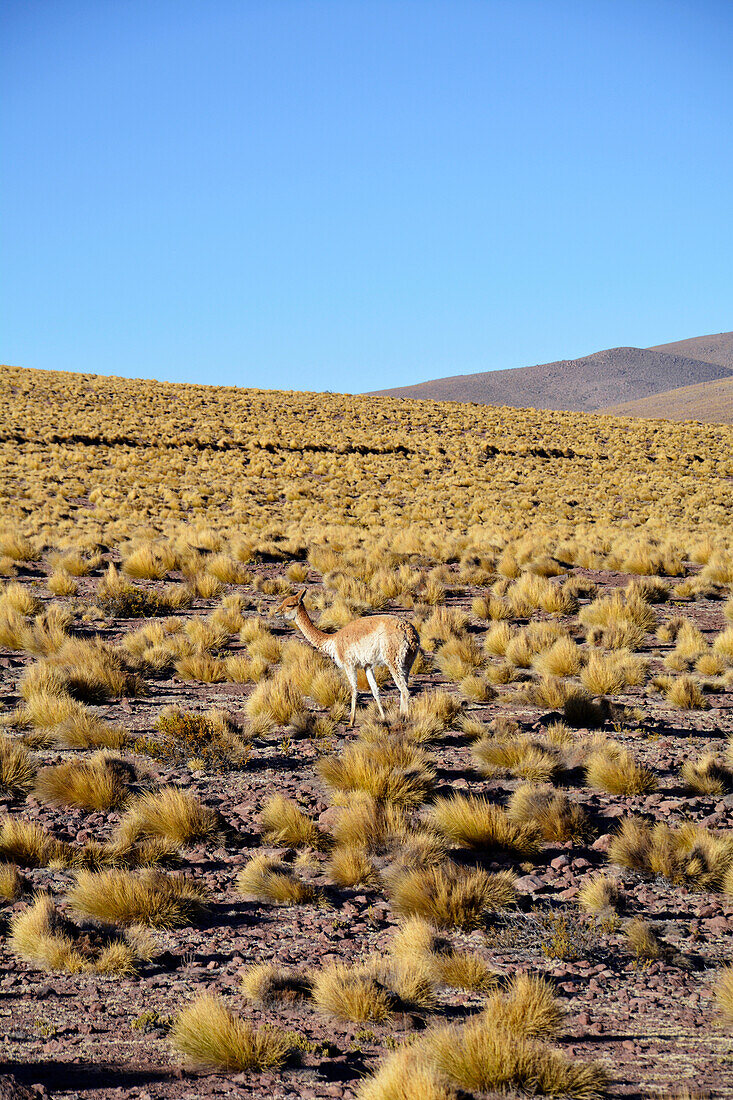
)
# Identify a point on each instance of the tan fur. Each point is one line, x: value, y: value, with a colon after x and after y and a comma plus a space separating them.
x: 364, y: 643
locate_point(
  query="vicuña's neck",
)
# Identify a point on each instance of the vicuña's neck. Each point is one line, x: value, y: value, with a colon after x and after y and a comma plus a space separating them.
x: 315, y: 636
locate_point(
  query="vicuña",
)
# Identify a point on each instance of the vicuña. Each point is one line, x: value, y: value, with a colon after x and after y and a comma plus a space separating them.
x: 373, y: 640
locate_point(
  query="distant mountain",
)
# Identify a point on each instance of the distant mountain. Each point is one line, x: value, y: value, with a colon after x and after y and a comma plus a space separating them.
x: 611, y: 377
x: 710, y: 402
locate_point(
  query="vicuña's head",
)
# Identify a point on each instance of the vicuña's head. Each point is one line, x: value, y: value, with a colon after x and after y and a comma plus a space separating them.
x: 289, y: 606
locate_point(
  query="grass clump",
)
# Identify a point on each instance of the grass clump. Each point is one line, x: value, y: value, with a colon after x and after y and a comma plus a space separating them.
x: 351, y: 994
x: 264, y: 879
x: 390, y: 771
x: 265, y: 983
x: 29, y: 844
x: 449, y: 896
x: 615, y: 771
x: 724, y: 995
x: 406, y: 1075
x: 526, y: 1007
x: 17, y: 770
x: 473, y: 822
x: 43, y: 937
x: 284, y: 824
x: 708, y: 775
x: 684, y: 692
x: 642, y: 939
x: 691, y: 855
x: 212, y: 1037
x: 551, y: 812
x: 101, y: 783
x: 275, y: 702
x: 599, y: 894
x: 12, y: 883
x: 480, y: 1057
x: 520, y: 756
x: 149, y: 897
x: 169, y: 814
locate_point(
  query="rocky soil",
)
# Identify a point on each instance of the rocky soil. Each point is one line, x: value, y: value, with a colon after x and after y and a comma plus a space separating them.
x: 652, y: 1024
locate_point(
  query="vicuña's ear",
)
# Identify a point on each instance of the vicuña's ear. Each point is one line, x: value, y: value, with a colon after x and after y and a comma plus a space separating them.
x: 301, y: 594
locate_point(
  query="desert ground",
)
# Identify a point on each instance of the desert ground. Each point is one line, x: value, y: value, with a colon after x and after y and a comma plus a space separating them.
x: 212, y: 885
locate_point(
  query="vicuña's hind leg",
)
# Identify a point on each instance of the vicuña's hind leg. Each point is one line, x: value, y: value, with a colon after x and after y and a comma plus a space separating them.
x: 375, y: 690
x: 351, y: 677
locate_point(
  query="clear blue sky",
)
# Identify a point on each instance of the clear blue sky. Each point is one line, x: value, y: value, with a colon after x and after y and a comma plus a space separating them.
x: 331, y: 194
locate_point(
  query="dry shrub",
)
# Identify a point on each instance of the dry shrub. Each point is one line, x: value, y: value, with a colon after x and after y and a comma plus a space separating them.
x: 17, y: 770
x: 392, y: 771
x: 557, y: 818
x: 599, y: 894
x: 100, y: 783
x: 43, y: 937
x: 351, y: 994
x: 207, y: 737
x: 284, y: 824
x: 169, y: 814
x: 474, y: 822
x: 149, y: 897
x: 212, y: 1037
x: 449, y: 896
x: 264, y: 879
x: 615, y: 771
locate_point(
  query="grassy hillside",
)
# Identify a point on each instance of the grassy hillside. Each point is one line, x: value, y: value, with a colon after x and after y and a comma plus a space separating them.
x: 711, y: 402
x: 98, y: 457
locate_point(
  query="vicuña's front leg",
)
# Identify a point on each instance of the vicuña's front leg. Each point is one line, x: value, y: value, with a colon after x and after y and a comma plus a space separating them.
x: 375, y: 690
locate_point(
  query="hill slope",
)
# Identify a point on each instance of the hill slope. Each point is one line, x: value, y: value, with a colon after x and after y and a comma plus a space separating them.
x: 577, y: 385
x: 710, y: 402
x: 717, y: 348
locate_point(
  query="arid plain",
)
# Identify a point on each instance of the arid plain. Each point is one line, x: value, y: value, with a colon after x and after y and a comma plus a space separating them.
x: 211, y: 885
